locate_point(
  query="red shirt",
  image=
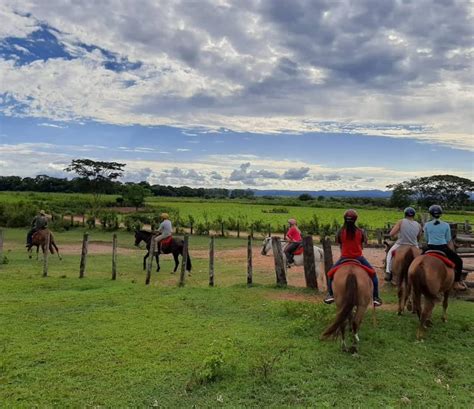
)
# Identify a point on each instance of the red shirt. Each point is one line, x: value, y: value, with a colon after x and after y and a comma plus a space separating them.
x: 351, y: 248
x: 294, y: 234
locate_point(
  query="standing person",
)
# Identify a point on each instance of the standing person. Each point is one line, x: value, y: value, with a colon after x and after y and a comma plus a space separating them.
x: 409, y: 233
x: 39, y: 222
x: 438, y: 237
x: 351, y: 239
x: 165, y: 230
x: 294, y: 240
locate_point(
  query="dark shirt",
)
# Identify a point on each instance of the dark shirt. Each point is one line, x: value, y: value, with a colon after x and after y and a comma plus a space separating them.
x: 39, y: 222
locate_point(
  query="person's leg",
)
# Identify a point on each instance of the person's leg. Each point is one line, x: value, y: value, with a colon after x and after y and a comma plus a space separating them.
x: 364, y: 261
x: 290, y: 248
x: 29, y: 237
x: 454, y: 257
x: 330, y: 296
x: 388, y: 266
x: 157, y: 240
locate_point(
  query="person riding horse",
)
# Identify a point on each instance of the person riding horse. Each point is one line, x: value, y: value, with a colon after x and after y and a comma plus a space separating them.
x: 40, y: 222
x: 294, y: 241
x: 438, y: 237
x: 351, y: 240
x: 165, y: 230
x: 409, y: 232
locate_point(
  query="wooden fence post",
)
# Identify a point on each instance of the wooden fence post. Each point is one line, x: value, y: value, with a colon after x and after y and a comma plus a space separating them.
x: 279, y: 262
x: 251, y: 231
x: 114, y: 256
x: 46, y: 254
x: 191, y: 225
x: 238, y: 230
x: 249, y: 261
x: 309, y: 264
x: 328, y: 260
x: 269, y: 230
x: 72, y: 220
x: 1, y: 247
x: 184, y: 261
x: 222, y: 229
x: 85, y: 244
x: 379, y: 233
x: 211, y: 262
x: 149, y: 263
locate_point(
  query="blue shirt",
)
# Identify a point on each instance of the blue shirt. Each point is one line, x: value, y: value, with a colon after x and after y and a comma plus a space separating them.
x: 437, y: 234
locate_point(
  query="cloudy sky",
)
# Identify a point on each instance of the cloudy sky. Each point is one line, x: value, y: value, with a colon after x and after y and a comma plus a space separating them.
x: 267, y: 94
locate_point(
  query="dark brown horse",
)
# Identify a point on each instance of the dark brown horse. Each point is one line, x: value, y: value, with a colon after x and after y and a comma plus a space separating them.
x: 429, y: 276
x: 404, y: 255
x: 39, y: 240
x: 353, y: 290
x: 175, y: 247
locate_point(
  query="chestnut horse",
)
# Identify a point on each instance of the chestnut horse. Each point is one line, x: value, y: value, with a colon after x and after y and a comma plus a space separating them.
x: 404, y: 255
x: 39, y: 240
x: 429, y: 276
x: 353, y: 289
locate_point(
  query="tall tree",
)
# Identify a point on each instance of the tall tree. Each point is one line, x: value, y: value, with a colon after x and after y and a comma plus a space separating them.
x: 447, y: 190
x: 98, y: 175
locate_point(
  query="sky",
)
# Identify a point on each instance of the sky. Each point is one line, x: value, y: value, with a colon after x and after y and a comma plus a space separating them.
x: 299, y: 95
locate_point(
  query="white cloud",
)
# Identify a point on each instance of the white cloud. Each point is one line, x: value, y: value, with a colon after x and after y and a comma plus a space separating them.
x: 268, y: 71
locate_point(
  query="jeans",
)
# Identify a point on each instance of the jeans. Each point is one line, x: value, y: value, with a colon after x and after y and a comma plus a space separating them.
x: 363, y: 261
x: 290, y: 249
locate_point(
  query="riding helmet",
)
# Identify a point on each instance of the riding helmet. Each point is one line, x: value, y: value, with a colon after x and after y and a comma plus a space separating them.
x: 435, y: 210
x: 350, y: 215
x: 292, y: 221
x: 409, y: 211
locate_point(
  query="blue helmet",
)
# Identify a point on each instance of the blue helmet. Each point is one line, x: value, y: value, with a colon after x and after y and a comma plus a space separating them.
x: 435, y: 210
x: 409, y: 211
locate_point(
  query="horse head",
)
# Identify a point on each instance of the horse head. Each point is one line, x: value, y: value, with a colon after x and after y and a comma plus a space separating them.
x: 139, y: 236
x: 267, y: 246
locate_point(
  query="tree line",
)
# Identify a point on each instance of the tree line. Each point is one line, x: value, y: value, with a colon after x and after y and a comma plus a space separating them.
x: 99, y: 177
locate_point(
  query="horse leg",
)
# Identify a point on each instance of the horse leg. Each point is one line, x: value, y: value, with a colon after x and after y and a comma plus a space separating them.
x: 425, y: 318
x: 445, y: 306
x: 356, y: 321
x: 157, y: 258
x: 402, y: 298
x: 343, y: 338
x: 176, y: 261
x: 37, y: 251
x: 144, y: 260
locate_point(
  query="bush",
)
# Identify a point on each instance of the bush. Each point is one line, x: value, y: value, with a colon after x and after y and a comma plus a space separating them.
x: 17, y: 215
x: 109, y: 220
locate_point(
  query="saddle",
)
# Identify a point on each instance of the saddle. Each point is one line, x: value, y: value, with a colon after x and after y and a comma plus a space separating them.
x: 440, y: 256
x: 351, y: 261
x: 299, y: 250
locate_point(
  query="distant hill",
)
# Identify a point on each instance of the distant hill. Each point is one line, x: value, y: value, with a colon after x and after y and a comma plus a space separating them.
x: 326, y: 193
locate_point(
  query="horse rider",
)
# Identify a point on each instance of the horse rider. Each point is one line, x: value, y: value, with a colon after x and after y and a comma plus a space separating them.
x: 438, y: 237
x: 351, y: 239
x: 294, y: 239
x: 164, y: 231
x: 39, y: 222
x: 408, y: 232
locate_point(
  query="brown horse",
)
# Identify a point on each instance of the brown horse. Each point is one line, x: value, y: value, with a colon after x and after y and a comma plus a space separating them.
x: 404, y: 255
x: 39, y: 240
x: 429, y: 276
x: 352, y: 289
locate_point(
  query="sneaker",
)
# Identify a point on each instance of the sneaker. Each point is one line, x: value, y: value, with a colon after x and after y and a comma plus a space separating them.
x: 377, y: 302
x: 329, y: 299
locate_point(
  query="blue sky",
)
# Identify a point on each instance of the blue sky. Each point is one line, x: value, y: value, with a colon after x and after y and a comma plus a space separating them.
x: 267, y: 94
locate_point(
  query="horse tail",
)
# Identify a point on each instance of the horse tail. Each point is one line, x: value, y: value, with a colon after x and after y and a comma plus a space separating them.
x: 350, y: 301
x: 403, y: 276
x: 188, y: 263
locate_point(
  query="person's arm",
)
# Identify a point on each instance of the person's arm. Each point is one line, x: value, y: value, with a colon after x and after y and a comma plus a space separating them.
x: 33, y: 223
x: 449, y: 240
x: 395, y: 229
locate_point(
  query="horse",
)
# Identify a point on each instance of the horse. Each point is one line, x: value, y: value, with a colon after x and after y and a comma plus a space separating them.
x: 429, y: 276
x: 297, y: 259
x: 353, y: 288
x: 175, y: 247
x: 39, y: 239
x: 404, y: 255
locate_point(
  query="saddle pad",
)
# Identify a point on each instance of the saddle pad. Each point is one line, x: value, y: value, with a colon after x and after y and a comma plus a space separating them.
x: 333, y: 270
x: 298, y: 251
x: 441, y: 257
x: 167, y: 241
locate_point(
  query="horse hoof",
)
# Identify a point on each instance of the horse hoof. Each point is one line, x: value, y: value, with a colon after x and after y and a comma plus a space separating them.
x: 353, y: 350
x: 428, y: 323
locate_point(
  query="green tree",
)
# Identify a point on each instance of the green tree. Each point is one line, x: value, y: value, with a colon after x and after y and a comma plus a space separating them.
x: 135, y: 195
x: 446, y: 190
x: 98, y: 176
x: 305, y: 197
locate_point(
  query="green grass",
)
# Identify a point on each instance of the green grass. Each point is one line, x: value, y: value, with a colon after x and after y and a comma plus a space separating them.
x: 67, y: 342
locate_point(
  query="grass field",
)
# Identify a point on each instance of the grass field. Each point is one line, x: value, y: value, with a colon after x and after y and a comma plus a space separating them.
x: 67, y: 342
